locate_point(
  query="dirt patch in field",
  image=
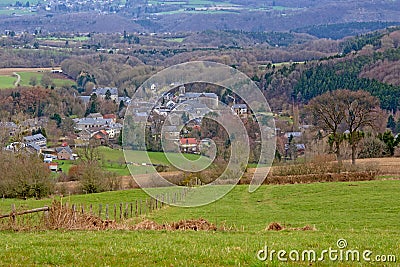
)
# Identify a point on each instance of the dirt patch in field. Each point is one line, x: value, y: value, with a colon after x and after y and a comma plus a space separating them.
x: 192, y: 224
x: 274, y: 226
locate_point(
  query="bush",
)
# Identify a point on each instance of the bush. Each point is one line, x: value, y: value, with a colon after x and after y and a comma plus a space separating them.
x: 24, y: 176
x: 372, y: 147
x: 94, y: 179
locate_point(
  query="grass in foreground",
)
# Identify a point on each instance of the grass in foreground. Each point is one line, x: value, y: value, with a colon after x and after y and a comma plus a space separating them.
x: 366, y: 214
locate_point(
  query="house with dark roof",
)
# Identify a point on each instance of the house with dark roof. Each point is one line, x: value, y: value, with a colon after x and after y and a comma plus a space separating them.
x: 210, y: 99
x: 37, y: 140
x: 33, y: 148
x: 87, y: 123
x: 64, y: 153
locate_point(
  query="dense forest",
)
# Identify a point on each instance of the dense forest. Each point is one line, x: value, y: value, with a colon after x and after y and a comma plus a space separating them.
x: 371, y: 64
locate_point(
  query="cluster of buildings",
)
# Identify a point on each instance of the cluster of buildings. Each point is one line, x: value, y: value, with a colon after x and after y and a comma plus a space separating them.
x: 103, y: 93
x: 177, y: 109
x: 103, y: 128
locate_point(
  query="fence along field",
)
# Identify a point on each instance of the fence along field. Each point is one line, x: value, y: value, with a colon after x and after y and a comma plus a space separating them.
x: 86, y: 216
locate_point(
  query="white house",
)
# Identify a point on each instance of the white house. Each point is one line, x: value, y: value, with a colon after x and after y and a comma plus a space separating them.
x: 240, y: 109
x: 102, y: 92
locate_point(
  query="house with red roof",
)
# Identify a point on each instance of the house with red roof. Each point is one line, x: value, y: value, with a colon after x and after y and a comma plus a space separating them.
x: 189, y: 145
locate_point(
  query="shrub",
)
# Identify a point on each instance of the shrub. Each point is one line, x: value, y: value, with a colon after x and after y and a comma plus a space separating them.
x: 24, y: 176
x: 94, y: 179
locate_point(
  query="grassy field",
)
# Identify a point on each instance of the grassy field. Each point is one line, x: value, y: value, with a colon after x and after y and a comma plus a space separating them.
x: 26, y: 76
x: 61, y: 39
x: 7, y: 82
x: 113, y: 160
x: 366, y: 214
x: 175, y: 40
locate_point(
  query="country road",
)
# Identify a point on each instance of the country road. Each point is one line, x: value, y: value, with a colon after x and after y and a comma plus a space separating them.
x: 18, y: 79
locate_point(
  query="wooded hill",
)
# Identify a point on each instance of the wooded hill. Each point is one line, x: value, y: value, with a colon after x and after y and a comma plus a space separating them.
x: 369, y: 62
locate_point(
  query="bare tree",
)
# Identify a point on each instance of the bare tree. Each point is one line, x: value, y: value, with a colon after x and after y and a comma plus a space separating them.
x: 361, y: 111
x: 344, y: 114
x: 90, y: 152
x: 328, y: 112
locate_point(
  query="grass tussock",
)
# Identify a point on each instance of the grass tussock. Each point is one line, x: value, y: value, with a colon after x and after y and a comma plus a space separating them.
x: 274, y: 226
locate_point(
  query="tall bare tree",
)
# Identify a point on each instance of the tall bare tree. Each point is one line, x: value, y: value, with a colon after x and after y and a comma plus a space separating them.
x: 344, y: 114
x: 328, y: 112
x: 361, y: 110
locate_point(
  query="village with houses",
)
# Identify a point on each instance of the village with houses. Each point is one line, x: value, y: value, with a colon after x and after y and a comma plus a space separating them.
x: 177, y: 114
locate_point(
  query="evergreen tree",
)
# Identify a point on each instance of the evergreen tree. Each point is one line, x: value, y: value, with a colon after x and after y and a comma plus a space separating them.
x: 391, y: 123
x: 390, y: 141
x: 108, y: 95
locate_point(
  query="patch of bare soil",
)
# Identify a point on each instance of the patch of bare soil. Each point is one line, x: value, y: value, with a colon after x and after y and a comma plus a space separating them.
x: 274, y: 226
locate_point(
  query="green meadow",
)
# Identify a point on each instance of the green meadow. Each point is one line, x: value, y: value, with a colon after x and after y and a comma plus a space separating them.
x: 365, y: 214
x: 8, y: 81
x: 26, y: 76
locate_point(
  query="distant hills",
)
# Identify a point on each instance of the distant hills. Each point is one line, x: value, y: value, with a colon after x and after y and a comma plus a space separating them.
x: 324, y: 18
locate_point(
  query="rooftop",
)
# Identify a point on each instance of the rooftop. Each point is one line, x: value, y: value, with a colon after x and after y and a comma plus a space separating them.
x: 34, y: 138
x: 103, y: 91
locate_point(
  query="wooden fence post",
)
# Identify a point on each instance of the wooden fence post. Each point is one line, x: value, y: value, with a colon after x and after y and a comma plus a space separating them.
x: 151, y: 200
x: 100, y: 207
x: 115, y: 212
x: 150, y: 205
x: 74, y: 212
x: 106, y: 211
x: 13, y: 216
